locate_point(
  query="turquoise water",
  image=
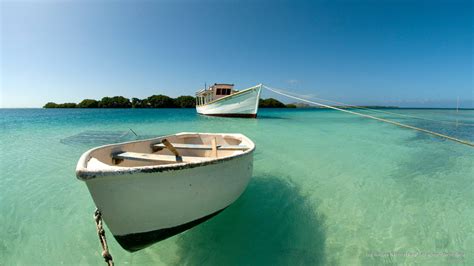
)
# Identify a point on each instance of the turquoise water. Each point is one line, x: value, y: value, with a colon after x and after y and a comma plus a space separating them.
x: 328, y: 188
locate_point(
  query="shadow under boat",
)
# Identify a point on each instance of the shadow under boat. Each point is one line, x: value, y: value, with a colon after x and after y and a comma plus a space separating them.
x: 270, y: 224
x: 273, y: 117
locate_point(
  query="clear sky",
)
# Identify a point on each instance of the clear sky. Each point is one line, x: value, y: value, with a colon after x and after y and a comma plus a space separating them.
x: 405, y: 53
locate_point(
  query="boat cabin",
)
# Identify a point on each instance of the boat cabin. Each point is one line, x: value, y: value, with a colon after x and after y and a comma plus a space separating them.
x: 214, y: 92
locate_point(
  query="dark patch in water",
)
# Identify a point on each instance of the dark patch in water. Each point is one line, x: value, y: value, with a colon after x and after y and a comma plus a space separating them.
x: 98, y: 138
x: 272, y: 117
x: 270, y: 224
x: 430, y: 163
x: 463, y: 132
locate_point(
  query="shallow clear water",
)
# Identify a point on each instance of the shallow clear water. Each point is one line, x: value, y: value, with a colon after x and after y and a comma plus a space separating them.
x: 328, y: 188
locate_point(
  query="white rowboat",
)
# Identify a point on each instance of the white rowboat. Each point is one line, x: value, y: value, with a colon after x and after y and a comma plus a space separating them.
x: 153, y: 189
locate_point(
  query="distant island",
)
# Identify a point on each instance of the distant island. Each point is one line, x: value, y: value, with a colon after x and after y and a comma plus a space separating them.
x: 186, y: 101
x: 155, y: 101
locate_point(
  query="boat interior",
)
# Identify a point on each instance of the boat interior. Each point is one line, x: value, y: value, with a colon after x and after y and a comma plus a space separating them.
x: 180, y: 148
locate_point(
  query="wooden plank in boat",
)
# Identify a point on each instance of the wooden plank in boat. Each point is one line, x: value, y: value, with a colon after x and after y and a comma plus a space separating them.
x: 232, y: 147
x: 186, y: 146
x: 202, y: 146
x: 214, y: 147
x: 157, y: 157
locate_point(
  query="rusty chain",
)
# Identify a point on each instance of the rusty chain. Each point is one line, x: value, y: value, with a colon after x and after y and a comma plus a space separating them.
x: 103, y: 242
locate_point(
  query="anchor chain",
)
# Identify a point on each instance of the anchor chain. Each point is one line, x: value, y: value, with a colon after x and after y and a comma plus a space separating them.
x: 103, y: 242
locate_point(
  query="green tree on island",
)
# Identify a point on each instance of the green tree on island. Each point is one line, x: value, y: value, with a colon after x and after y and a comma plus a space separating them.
x: 161, y: 101
x: 88, y: 103
x: 185, y: 102
x: 50, y: 105
x: 270, y: 103
x: 140, y: 103
x: 60, y: 105
x: 115, y: 102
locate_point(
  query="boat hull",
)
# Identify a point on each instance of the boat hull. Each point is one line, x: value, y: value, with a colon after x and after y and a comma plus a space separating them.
x: 241, y: 104
x: 235, y: 115
x: 143, y: 208
x: 136, y: 241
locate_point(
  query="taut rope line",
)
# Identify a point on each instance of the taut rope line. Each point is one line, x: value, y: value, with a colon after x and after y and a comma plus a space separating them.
x: 465, y: 142
x: 385, y: 112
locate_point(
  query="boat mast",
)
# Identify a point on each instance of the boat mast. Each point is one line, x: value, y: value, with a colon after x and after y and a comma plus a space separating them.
x: 457, y: 111
x: 457, y: 106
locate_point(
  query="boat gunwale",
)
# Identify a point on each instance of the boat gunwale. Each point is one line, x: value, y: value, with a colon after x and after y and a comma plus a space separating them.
x: 230, y: 96
x: 84, y: 174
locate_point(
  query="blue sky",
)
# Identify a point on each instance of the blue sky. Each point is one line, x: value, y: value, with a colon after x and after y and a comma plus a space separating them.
x: 405, y: 53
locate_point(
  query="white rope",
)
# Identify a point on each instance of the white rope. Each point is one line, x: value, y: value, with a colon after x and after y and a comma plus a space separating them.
x: 385, y: 112
x: 465, y: 142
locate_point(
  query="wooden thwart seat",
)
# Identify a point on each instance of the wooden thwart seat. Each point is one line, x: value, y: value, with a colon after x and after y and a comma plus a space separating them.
x: 136, y: 156
x: 202, y: 146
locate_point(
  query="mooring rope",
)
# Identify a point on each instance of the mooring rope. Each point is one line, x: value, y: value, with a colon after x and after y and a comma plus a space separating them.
x: 385, y: 112
x: 136, y: 135
x: 103, y: 242
x: 465, y: 142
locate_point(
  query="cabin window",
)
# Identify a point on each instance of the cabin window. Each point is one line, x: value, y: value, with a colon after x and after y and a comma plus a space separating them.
x: 227, y: 91
x: 218, y: 91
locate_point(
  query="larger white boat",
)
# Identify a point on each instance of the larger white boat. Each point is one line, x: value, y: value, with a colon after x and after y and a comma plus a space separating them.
x: 223, y: 100
x: 150, y: 190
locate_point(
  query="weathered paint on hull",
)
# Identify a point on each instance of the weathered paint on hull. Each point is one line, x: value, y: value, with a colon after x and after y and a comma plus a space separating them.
x: 135, y: 242
x: 242, y: 104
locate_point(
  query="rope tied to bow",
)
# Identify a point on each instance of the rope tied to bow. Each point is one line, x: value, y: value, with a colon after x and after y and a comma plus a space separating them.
x: 103, y: 242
